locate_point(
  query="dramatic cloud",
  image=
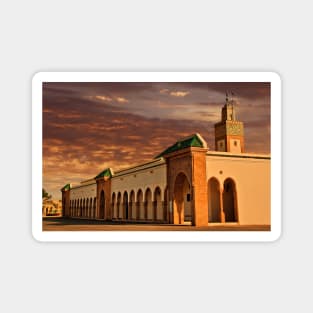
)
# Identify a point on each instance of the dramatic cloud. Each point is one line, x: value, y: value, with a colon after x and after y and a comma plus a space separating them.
x: 86, y: 128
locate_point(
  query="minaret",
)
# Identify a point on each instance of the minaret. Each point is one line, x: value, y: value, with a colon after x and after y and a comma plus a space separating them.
x: 229, y: 136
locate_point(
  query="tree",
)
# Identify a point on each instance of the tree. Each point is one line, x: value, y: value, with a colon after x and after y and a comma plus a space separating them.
x: 45, y: 194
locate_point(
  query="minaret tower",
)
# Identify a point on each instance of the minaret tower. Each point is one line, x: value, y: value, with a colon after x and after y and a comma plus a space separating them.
x: 229, y: 136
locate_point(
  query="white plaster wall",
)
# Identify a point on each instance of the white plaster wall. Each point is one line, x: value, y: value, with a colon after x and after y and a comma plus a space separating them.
x: 81, y: 192
x: 253, y: 185
x: 140, y: 179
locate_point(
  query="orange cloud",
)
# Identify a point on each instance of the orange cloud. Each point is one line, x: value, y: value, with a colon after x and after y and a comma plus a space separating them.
x: 121, y: 100
x: 103, y: 98
x: 179, y: 93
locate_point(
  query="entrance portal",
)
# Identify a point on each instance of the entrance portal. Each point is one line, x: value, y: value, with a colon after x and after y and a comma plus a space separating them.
x: 182, y: 200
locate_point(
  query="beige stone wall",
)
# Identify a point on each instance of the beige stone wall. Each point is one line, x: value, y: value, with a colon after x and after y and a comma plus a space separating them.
x: 84, y: 191
x: 151, y: 175
x: 251, y: 175
x: 82, y: 198
x: 147, y: 205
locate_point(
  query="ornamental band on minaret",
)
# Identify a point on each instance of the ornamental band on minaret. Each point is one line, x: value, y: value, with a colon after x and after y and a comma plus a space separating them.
x: 229, y: 134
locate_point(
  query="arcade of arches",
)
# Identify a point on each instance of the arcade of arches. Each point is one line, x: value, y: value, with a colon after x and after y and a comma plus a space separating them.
x: 140, y: 205
x: 222, y: 201
x: 153, y: 206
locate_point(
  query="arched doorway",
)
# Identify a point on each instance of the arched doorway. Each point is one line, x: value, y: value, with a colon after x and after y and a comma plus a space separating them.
x: 102, y: 205
x: 230, y: 201
x: 113, y: 205
x: 118, y: 204
x: 132, y: 205
x: 148, y: 204
x: 87, y: 207
x: 141, y: 211
x: 214, y: 201
x: 90, y: 208
x: 94, y: 207
x: 125, y: 205
x: 158, y: 204
x: 182, y: 200
x: 165, y: 205
x: 91, y: 204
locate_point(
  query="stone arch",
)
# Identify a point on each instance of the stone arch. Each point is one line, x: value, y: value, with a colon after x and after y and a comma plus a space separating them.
x: 182, y: 208
x: 214, y: 198
x: 84, y: 208
x: 165, y: 204
x: 140, y: 207
x: 148, y: 204
x: 125, y: 205
x: 230, y: 201
x: 90, y: 207
x: 73, y: 208
x: 87, y: 208
x: 102, y: 205
x: 158, y: 204
x: 113, y: 204
x: 94, y: 207
x: 132, y: 205
x: 118, y: 205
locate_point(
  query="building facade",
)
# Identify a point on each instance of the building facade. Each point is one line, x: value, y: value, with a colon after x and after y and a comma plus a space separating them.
x: 185, y: 184
x: 51, y: 207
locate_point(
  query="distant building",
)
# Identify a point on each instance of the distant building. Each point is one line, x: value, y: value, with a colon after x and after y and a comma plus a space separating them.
x: 185, y: 184
x: 51, y: 207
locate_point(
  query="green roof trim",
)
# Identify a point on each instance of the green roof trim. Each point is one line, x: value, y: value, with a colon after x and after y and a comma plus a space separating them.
x: 66, y: 187
x: 191, y: 141
x: 105, y: 173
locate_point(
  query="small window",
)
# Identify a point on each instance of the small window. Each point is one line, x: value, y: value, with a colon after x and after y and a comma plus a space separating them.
x: 235, y: 143
x: 188, y: 197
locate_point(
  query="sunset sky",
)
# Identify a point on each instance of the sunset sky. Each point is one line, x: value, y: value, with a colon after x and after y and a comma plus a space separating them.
x: 91, y: 126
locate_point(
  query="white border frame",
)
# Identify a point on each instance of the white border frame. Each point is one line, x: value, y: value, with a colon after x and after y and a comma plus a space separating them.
x: 159, y: 236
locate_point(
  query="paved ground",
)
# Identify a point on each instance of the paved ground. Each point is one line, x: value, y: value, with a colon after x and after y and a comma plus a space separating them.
x: 61, y: 224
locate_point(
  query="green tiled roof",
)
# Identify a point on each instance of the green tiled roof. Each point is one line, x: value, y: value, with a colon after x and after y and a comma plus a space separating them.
x: 191, y: 141
x: 66, y: 187
x: 107, y: 172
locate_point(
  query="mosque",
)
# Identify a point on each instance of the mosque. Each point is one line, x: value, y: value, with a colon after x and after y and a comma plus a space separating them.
x: 185, y: 184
